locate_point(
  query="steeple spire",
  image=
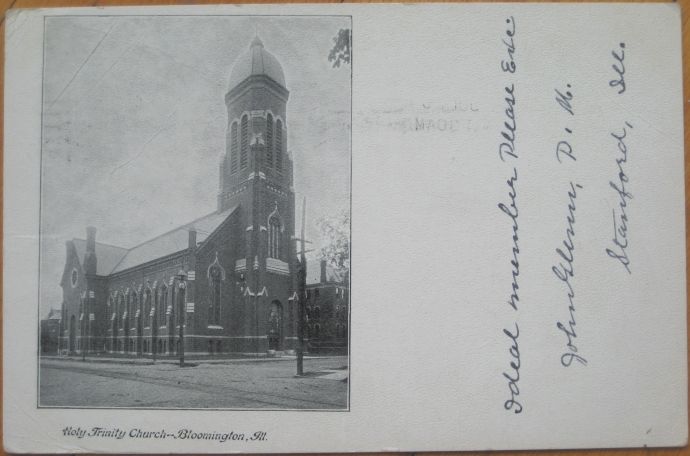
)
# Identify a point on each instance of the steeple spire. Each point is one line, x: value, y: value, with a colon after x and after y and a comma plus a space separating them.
x: 256, y: 41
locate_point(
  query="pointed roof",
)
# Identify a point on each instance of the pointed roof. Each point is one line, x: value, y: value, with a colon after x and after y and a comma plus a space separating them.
x: 256, y: 42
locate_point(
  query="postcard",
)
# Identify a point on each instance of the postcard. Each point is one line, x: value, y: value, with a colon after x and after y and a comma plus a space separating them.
x: 341, y: 228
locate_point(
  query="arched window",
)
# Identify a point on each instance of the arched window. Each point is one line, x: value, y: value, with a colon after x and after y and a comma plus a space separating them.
x: 134, y: 307
x: 274, y: 237
x: 173, y: 308
x: 215, y: 276
x: 269, y: 141
x: 244, y: 151
x: 114, y: 309
x: 233, y: 147
x: 126, y: 315
x: 279, y: 146
x: 162, y: 305
x: 317, y: 312
x: 146, y: 311
x: 317, y: 330
x: 156, y: 308
x: 114, y: 322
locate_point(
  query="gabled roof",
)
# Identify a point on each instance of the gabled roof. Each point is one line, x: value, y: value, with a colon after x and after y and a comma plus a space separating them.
x: 112, y: 259
x: 170, y: 242
x: 107, y: 255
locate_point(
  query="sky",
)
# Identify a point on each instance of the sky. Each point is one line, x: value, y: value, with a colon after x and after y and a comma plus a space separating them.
x: 134, y: 124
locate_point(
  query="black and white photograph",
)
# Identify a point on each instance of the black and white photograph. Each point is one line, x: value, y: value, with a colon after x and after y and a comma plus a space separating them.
x: 195, y: 212
x: 184, y: 186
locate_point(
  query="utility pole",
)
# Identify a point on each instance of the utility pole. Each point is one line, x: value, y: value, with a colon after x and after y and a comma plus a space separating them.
x: 154, y: 324
x: 181, y: 276
x: 82, y: 317
x: 301, y: 293
x: 60, y: 329
x: 256, y: 324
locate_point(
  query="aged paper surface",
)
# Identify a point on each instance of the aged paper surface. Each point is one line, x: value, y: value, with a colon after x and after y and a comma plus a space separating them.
x: 271, y: 228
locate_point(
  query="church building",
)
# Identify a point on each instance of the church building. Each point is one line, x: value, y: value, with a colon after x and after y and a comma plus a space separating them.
x: 225, y: 282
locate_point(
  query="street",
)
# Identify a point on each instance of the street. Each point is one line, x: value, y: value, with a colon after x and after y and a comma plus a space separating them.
x: 228, y: 384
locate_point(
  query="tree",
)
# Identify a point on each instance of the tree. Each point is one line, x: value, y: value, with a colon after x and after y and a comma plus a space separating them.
x: 341, y: 48
x: 335, y: 238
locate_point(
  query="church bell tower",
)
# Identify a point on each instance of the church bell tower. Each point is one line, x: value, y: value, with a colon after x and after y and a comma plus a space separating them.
x: 256, y: 175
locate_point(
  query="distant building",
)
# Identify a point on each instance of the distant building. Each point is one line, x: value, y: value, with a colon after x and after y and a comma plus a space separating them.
x: 326, y: 309
x: 50, y: 330
x: 238, y: 290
